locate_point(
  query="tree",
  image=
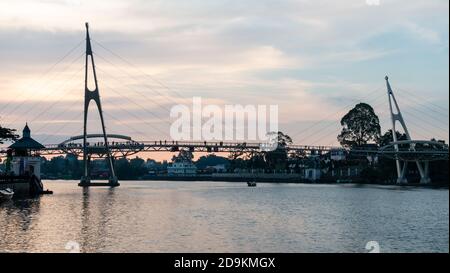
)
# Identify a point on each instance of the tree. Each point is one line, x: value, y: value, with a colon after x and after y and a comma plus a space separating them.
x: 360, y: 126
x: 7, y: 134
x: 388, y: 138
x: 297, y: 158
x: 277, y: 158
x: 211, y: 160
x: 183, y: 156
x: 255, y: 160
x: 138, y: 167
x: 123, y: 168
x: 282, y: 139
x: 235, y: 161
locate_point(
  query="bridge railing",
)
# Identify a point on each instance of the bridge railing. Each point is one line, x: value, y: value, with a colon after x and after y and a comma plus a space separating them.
x: 201, y: 143
x: 170, y: 143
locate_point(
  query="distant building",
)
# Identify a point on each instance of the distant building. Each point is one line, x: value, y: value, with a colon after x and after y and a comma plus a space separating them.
x: 312, y: 174
x: 312, y: 168
x: 24, y: 162
x: 183, y: 168
x: 346, y: 172
x: 337, y: 154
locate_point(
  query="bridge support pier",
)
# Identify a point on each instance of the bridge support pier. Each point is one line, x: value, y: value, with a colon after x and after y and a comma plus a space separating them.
x: 113, y: 181
x: 425, y: 180
x: 423, y: 168
x: 425, y: 172
x: 401, y: 172
x: 85, y: 181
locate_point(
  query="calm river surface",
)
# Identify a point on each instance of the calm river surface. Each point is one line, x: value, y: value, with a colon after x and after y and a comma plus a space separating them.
x: 161, y: 216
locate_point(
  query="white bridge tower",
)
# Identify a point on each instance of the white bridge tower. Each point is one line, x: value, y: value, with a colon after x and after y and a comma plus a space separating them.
x: 402, y: 165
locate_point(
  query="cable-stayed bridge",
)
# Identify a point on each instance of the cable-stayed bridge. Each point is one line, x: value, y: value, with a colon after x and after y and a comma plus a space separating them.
x: 421, y: 152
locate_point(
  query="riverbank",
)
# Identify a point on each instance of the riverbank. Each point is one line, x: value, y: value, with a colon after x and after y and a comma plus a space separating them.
x: 286, y: 180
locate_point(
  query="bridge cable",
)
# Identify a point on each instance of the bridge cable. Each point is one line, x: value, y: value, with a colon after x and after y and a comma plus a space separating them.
x: 444, y: 111
x: 426, y: 123
x: 69, y: 91
x: 46, y: 72
x: 139, y: 93
x: 37, y: 94
x: 421, y: 127
x: 134, y: 115
x: 380, y: 118
x: 48, y: 95
x: 320, y: 132
x: 332, y: 115
x: 140, y: 70
x: 138, y: 105
x: 125, y: 124
x: 59, y: 114
x: 425, y: 113
x: 140, y: 83
x: 75, y: 117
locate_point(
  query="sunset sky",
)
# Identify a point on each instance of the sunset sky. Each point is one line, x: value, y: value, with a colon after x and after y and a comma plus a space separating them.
x: 314, y: 59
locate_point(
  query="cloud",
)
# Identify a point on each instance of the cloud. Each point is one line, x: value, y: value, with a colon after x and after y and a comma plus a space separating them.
x: 426, y: 34
x: 308, y: 57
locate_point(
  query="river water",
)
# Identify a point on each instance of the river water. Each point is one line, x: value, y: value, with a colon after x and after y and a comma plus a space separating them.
x: 160, y: 216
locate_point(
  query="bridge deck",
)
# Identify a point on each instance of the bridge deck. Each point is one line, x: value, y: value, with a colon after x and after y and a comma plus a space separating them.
x: 132, y: 147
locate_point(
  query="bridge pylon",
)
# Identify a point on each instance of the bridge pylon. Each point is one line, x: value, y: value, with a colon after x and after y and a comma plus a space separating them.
x: 95, y: 96
x: 402, y: 165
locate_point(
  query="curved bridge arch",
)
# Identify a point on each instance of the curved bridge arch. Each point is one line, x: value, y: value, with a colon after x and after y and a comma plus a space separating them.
x: 414, y: 150
x: 126, y: 146
x: 123, y: 137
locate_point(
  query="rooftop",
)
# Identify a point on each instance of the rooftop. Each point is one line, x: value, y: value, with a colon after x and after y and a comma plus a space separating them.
x: 26, y: 142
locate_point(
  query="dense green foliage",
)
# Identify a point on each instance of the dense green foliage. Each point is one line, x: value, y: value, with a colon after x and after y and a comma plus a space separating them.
x: 7, y: 134
x: 360, y: 126
x: 211, y: 160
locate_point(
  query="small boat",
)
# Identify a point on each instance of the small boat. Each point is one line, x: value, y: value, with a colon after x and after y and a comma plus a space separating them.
x: 251, y: 183
x: 6, y: 194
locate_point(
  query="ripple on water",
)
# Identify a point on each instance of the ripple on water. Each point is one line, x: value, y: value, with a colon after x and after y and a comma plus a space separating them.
x: 162, y: 216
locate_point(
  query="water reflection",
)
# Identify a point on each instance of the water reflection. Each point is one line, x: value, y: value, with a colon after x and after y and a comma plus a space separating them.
x: 16, y: 221
x: 96, y: 219
x: 227, y: 217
